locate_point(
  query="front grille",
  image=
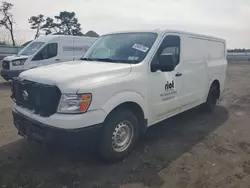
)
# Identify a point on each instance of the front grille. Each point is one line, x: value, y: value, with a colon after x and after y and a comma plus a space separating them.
x: 40, y: 98
x: 6, y: 64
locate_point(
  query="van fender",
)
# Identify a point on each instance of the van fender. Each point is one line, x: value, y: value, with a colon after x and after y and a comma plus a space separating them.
x: 123, y: 97
x: 218, y: 78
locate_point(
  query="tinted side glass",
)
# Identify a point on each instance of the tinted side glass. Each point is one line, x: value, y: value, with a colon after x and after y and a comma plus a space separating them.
x: 49, y: 51
x: 169, y: 46
x: 52, y: 50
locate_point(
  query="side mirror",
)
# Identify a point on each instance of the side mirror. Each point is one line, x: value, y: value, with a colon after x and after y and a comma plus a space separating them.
x: 166, y: 63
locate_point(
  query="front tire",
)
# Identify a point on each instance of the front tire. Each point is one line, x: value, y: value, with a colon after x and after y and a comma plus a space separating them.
x: 121, y: 131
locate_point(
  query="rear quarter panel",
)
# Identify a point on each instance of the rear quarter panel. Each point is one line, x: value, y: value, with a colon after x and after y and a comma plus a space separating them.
x: 217, y: 70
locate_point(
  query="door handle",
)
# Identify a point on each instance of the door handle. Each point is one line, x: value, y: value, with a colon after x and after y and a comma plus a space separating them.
x: 178, y: 74
x: 57, y: 59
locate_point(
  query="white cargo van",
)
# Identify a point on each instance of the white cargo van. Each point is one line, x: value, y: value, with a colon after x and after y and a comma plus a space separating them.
x: 44, y: 51
x: 125, y: 83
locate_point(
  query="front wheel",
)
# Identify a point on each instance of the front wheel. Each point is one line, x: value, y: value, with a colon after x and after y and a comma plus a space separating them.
x: 120, y: 134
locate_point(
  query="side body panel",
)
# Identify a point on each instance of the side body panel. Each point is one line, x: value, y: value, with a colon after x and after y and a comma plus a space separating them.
x: 195, y: 71
x: 202, y: 61
x: 74, y: 48
x: 205, y: 62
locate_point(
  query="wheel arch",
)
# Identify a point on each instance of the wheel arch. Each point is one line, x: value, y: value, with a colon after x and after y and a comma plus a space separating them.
x: 131, y: 101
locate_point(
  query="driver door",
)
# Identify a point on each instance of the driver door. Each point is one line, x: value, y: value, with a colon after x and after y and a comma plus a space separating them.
x: 166, y: 87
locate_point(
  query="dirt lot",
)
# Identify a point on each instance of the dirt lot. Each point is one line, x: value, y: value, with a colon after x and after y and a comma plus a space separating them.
x: 192, y: 150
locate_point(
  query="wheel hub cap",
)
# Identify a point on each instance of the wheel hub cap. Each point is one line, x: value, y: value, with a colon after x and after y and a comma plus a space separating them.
x: 122, y: 136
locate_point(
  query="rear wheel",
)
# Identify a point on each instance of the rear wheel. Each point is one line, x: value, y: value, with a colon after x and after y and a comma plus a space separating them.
x: 212, y: 98
x: 120, y: 134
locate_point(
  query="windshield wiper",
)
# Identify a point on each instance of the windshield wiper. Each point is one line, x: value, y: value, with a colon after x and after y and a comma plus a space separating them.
x: 100, y: 59
x: 111, y: 60
x: 86, y: 59
x: 107, y: 60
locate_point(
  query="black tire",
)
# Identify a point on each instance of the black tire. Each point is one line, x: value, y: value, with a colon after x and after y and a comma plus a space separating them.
x: 212, y: 98
x: 106, y: 148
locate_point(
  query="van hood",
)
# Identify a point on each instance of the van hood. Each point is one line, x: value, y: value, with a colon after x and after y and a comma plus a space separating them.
x: 82, y: 72
x: 15, y: 57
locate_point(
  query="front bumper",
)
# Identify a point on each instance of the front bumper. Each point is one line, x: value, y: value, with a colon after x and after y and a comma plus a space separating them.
x: 45, y: 134
x: 9, y: 74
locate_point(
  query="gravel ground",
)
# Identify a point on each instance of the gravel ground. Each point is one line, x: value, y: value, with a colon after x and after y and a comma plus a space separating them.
x: 191, y: 150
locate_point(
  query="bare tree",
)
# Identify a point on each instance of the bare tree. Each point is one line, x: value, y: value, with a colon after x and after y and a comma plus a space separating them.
x: 36, y: 22
x: 7, y: 21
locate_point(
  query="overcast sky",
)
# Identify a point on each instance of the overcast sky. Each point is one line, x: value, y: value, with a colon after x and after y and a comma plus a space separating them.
x: 229, y: 19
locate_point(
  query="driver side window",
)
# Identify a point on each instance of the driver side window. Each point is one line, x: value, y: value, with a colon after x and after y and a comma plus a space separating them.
x: 49, y: 51
x: 169, y: 46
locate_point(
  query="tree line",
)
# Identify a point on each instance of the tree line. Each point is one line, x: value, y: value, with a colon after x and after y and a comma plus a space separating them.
x: 65, y: 23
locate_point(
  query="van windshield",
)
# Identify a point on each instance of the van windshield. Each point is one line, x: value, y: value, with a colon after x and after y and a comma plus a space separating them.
x: 121, y: 48
x: 31, y: 48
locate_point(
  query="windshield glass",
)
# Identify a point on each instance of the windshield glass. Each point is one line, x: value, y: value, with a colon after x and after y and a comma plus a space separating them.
x: 121, y: 48
x: 31, y: 48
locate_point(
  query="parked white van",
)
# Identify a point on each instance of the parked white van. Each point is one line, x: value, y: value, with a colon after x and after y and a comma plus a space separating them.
x: 44, y: 51
x: 125, y: 83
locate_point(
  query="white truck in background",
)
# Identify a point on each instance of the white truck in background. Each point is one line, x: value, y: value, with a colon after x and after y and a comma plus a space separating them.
x: 45, y: 50
x: 126, y: 82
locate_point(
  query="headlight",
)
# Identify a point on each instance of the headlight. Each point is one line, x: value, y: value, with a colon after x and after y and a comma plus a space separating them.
x: 71, y: 103
x: 18, y: 62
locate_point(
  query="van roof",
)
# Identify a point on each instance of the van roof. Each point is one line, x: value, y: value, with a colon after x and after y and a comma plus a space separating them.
x: 53, y: 37
x: 164, y: 31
